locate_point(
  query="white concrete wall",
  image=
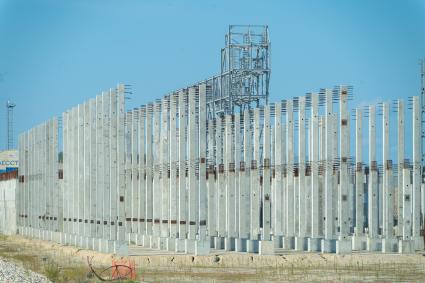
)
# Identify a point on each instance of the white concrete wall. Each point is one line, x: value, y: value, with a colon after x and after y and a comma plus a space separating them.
x: 8, y: 207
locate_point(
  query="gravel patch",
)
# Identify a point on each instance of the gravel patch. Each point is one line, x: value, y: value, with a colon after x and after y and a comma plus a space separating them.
x: 11, y: 272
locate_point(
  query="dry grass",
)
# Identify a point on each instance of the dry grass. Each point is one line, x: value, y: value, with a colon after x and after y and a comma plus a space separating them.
x: 309, y: 267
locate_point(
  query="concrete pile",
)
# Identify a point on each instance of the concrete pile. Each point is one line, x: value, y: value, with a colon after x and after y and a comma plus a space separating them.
x: 280, y: 176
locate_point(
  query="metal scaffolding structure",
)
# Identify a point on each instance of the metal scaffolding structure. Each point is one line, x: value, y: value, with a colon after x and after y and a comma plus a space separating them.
x: 244, y: 79
x: 245, y: 68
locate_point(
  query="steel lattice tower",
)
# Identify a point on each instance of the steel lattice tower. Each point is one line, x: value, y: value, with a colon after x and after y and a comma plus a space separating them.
x: 9, y: 107
x: 245, y: 71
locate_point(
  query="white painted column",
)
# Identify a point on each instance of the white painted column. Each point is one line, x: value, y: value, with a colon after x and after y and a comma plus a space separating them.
x: 406, y: 243
x: 128, y: 173
x: 120, y: 246
x: 314, y: 240
x: 288, y: 240
x: 147, y: 240
x: 80, y: 175
x: 244, y: 183
x: 328, y: 243
x: 27, y: 220
x: 99, y: 170
x: 134, y: 177
x: 322, y: 172
x: 88, y: 242
x: 113, y: 164
x: 106, y: 196
x: 173, y: 173
x: 203, y: 244
x: 142, y: 175
x: 229, y: 168
x: 389, y: 243
x: 238, y: 177
x: 417, y: 177
x: 182, y: 215
x: 220, y: 185
x: 92, y: 172
x: 277, y: 193
x: 336, y: 172
x: 19, y: 185
x: 301, y: 240
x: 193, y: 187
x: 156, y: 194
x: 255, y: 183
x: 165, y: 179
x: 344, y: 242
x: 65, y: 192
x: 266, y: 246
x: 212, y: 209
x: 359, y: 241
x: 372, y: 241
x: 400, y: 160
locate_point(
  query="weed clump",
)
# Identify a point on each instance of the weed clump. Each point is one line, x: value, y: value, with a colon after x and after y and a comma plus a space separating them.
x: 52, y: 271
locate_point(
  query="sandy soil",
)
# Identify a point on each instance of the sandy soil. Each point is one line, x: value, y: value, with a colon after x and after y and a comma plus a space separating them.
x: 155, y: 266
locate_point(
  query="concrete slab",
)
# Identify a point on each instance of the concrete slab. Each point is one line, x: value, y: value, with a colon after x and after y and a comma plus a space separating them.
x: 288, y: 243
x: 180, y: 245
x: 65, y: 238
x: 343, y: 246
x: 359, y: 243
x: 120, y: 248
x: 252, y: 246
x: 76, y: 240
x: 278, y: 242
x: 62, y: 240
x: 133, y: 238
x: 155, y: 243
x: 301, y: 244
x: 314, y: 244
x: 171, y: 244
x: 389, y: 245
x: 95, y: 244
x: 406, y: 246
x: 104, y: 248
x: 81, y: 242
x: 163, y: 243
x: 189, y: 247
x: 240, y: 245
x: 265, y: 247
x: 328, y: 246
x: 202, y: 247
x: 418, y: 243
x: 146, y: 241
x: 86, y: 243
x: 218, y: 243
x: 90, y: 243
x: 139, y: 240
x: 373, y: 244
x: 229, y: 244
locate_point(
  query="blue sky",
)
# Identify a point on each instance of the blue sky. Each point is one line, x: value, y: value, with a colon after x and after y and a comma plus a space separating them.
x: 56, y: 54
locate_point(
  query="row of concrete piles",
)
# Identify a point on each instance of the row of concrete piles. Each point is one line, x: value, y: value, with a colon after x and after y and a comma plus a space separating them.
x: 281, y: 176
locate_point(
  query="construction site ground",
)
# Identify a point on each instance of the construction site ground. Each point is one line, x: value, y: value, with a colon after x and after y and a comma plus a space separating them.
x: 69, y: 264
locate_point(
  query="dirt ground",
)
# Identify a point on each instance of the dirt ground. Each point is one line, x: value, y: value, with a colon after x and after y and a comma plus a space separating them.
x: 69, y: 264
